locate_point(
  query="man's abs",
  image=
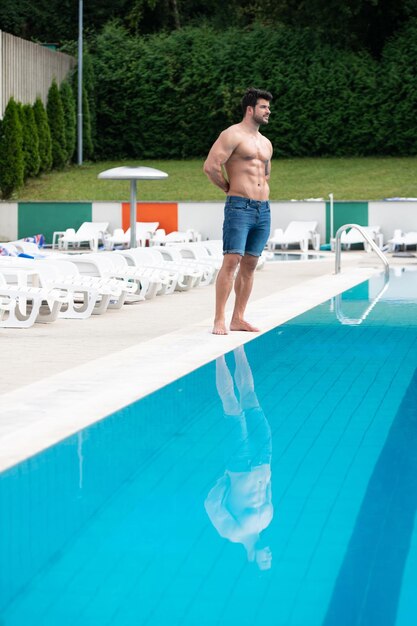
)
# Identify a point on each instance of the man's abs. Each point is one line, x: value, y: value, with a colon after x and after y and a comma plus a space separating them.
x: 247, y: 178
x: 253, y: 187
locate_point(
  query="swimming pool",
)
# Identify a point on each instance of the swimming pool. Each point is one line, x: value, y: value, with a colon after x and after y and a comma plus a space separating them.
x: 291, y: 503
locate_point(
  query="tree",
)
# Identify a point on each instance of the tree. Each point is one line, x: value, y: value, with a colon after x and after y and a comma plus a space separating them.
x: 11, y: 153
x: 68, y: 103
x: 56, y: 119
x: 351, y: 23
x: 30, y: 141
x: 88, y: 147
x: 44, y: 135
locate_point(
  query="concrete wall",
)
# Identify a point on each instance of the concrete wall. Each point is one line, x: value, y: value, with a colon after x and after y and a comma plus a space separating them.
x: 8, y: 221
x: 282, y: 213
x: 107, y: 212
x: 30, y: 218
x: 206, y: 217
x: 393, y: 215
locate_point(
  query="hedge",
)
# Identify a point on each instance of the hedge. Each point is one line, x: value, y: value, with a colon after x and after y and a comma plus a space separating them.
x: 170, y: 95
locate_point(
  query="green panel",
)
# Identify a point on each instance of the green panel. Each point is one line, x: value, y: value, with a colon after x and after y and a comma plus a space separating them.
x: 346, y: 213
x: 47, y: 217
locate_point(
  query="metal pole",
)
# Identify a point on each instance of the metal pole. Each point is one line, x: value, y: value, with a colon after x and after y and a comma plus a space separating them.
x: 80, y: 82
x: 331, y: 217
x: 133, y: 213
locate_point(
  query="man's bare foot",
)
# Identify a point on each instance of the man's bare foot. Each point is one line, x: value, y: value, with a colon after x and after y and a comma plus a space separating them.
x: 243, y: 325
x: 219, y: 328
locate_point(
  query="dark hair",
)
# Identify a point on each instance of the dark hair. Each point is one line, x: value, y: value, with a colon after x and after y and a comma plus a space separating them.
x: 252, y: 96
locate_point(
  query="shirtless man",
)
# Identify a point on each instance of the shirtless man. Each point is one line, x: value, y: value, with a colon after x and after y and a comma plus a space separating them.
x: 239, y: 162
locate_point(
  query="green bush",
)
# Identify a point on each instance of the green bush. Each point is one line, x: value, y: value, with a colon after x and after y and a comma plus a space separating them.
x: 88, y: 148
x: 11, y: 151
x: 56, y: 120
x: 30, y: 141
x: 44, y: 135
x: 170, y: 95
x: 68, y: 104
x: 397, y: 111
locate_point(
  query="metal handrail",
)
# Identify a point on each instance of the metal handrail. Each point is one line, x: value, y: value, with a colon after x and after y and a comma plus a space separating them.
x: 371, y: 242
x: 355, y: 321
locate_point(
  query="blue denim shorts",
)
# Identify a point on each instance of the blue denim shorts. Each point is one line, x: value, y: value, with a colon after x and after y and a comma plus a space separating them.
x: 246, y: 226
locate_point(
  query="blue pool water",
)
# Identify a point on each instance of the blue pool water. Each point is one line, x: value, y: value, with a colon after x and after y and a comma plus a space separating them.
x: 275, y: 486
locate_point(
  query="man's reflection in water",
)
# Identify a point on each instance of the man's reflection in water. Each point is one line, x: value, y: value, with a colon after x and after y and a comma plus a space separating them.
x: 240, y: 503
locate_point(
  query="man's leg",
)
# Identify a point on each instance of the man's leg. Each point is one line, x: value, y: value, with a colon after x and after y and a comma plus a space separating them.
x: 224, y: 284
x: 226, y: 389
x: 243, y: 289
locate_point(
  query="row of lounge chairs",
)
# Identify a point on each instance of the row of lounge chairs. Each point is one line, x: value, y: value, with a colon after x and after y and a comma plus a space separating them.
x: 304, y: 235
x: 77, y: 285
x: 95, y: 234
x: 298, y: 233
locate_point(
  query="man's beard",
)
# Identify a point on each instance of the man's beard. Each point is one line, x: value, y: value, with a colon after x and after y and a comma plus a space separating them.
x: 260, y: 120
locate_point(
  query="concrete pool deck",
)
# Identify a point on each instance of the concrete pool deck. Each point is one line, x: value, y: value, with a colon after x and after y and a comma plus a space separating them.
x: 61, y: 377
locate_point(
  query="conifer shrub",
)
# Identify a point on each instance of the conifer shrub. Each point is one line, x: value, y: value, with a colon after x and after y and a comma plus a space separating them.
x: 44, y: 136
x: 11, y: 151
x: 88, y: 147
x: 56, y: 120
x: 68, y: 103
x: 30, y: 141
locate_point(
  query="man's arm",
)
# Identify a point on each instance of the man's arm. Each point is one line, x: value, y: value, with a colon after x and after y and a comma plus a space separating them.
x: 219, y: 154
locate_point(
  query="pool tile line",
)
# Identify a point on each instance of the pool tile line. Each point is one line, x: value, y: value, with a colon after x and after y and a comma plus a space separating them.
x: 38, y: 415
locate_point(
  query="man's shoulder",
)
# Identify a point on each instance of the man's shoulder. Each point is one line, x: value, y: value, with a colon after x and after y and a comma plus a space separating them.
x: 233, y: 130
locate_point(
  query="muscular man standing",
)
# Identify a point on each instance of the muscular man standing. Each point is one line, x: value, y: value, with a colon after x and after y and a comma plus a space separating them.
x: 239, y: 162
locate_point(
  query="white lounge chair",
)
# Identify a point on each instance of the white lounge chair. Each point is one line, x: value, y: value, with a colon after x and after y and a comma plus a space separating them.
x: 296, y: 233
x: 23, y: 305
x: 209, y: 253
x: 139, y: 283
x: 87, y: 295
x: 144, y: 233
x: 26, y: 247
x: 354, y: 236
x: 144, y: 261
x: 83, y: 296
x: 89, y: 232
x: 187, y: 276
x: 99, y: 267
x: 197, y: 251
x: 206, y: 270
x: 118, y: 238
x: 161, y: 238
x: 401, y: 240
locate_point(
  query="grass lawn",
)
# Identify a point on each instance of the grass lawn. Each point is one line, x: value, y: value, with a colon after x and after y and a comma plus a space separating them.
x: 370, y: 178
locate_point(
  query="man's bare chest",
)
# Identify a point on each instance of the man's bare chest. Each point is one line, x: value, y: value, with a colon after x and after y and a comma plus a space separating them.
x: 252, y: 149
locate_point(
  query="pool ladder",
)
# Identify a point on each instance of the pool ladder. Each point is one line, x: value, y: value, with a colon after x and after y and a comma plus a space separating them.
x: 368, y: 239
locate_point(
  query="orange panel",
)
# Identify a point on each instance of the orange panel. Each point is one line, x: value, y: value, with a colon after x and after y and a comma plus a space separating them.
x: 166, y: 213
